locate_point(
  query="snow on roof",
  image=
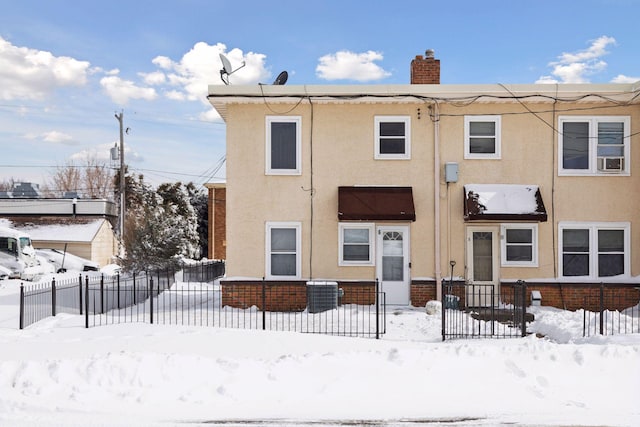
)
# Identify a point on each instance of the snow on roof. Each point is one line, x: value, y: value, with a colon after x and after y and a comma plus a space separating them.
x: 79, y: 232
x: 505, y: 198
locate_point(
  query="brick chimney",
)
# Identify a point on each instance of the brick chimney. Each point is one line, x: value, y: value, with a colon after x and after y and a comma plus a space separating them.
x: 425, y: 70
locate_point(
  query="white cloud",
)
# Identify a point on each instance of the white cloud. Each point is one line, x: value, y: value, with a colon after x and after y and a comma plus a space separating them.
x: 577, y: 67
x: 155, y: 78
x: 31, y: 74
x: 621, y: 78
x: 121, y: 91
x: 57, y: 137
x: 175, y: 95
x: 53, y: 136
x: 345, y: 65
x: 200, y: 67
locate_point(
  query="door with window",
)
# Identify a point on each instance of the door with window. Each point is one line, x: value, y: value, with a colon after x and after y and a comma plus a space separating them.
x: 393, y: 262
x: 483, y: 283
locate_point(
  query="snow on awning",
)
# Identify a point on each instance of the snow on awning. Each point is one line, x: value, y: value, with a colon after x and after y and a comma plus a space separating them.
x: 503, y: 202
x: 375, y: 204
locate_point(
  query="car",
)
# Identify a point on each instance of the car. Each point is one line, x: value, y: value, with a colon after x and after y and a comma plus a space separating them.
x: 17, y: 253
x: 64, y: 261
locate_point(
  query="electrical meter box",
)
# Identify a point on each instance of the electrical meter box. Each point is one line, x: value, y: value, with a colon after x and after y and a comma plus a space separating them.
x: 451, y: 172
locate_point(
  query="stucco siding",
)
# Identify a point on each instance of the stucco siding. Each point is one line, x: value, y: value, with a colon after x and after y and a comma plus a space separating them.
x: 337, y: 149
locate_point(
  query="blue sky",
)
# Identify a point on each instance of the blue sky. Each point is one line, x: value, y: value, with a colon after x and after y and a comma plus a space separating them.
x: 67, y: 67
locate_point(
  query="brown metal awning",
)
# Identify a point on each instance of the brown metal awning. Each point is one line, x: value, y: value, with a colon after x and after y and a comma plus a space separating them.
x: 503, y: 202
x: 376, y: 204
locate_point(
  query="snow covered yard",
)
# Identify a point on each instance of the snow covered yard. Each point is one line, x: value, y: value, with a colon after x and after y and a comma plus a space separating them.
x: 57, y: 373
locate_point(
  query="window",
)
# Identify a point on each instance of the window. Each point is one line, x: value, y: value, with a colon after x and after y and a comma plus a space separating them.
x: 393, y: 137
x: 482, y: 137
x: 283, y: 250
x: 283, y: 145
x: 594, y: 249
x: 594, y: 145
x: 356, y: 247
x: 519, y: 245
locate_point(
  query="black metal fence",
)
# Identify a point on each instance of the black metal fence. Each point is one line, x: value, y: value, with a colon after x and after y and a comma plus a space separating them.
x: 203, y: 272
x: 612, y: 316
x: 274, y: 307
x: 197, y: 300
x: 484, y: 311
x: 92, y: 293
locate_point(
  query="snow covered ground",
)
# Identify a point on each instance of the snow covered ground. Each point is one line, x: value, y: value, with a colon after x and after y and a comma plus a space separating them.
x: 56, y: 373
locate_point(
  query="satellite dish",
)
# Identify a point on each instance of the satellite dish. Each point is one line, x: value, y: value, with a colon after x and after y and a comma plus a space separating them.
x: 281, y: 79
x: 227, y: 70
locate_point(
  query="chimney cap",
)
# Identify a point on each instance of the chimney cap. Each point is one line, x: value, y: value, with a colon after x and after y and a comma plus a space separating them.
x: 430, y: 53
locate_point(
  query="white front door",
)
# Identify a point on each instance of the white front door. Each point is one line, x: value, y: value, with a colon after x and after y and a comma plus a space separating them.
x: 483, y: 283
x: 392, y: 253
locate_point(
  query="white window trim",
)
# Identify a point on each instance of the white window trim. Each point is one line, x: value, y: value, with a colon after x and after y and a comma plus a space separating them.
x: 279, y: 119
x: 368, y: 226
x: 286, y: 224
x: 534, y: 244
x: 467, y: 144
x: 593, y: 145
x: 407, y: 137
x: 593, y: 228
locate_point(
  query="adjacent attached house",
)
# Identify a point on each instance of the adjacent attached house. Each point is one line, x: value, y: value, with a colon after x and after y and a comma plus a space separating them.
x: 414, y: 184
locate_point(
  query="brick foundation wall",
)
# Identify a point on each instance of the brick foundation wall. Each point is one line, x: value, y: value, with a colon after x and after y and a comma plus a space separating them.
x: 362, y: 293
x: 575, y: 296
x: 292, y: 295
x: 278, y: 296
x: 422, y: 291
x: 288, y: 295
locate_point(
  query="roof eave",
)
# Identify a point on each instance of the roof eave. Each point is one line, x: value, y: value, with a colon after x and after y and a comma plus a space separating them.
x: 221, y: 95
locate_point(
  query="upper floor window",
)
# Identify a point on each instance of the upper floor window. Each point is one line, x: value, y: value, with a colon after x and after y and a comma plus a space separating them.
x: 393, y: 137
x: 594, y: 249
x: 283, y: 145
x: 519, y: 245
x: 597, y: 145
x: 482, y: 137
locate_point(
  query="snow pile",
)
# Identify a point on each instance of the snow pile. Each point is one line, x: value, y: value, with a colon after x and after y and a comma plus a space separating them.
x: 57, y: 373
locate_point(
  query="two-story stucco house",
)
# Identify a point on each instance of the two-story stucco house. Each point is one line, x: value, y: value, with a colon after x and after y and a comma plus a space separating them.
x: 355, y: 183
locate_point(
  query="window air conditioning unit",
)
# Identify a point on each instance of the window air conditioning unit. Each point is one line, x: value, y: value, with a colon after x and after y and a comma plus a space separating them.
x: 611, y: 164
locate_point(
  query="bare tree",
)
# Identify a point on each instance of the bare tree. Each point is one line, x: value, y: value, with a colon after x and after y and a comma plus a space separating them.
x: 98, y: 180
x: 92, y: 180
x: 8, y: 184
x: 67, y: 178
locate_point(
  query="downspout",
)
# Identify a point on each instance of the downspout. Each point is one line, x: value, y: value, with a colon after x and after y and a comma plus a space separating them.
x: 555, y: 144
x: 436, y: 196
x: 311, y: 189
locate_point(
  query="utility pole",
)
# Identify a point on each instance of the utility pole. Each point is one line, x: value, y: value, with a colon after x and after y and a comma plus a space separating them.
x: 122, y: 177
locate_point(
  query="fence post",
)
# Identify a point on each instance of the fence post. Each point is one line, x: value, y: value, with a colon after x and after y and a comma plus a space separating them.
x: 118, y: 289
x: 601, y: 308
x: 86, y: 301
x: 101, y: 294
x: 80, y: 291
x: 264, y: 305
x: 151, y: 298
x: 53, y: 296
x: 584, y: 317
x: 377, y: 296
x: 524, y: 309
x: 443, y: 302
x: 21, y: 305
x: 134, y: 288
